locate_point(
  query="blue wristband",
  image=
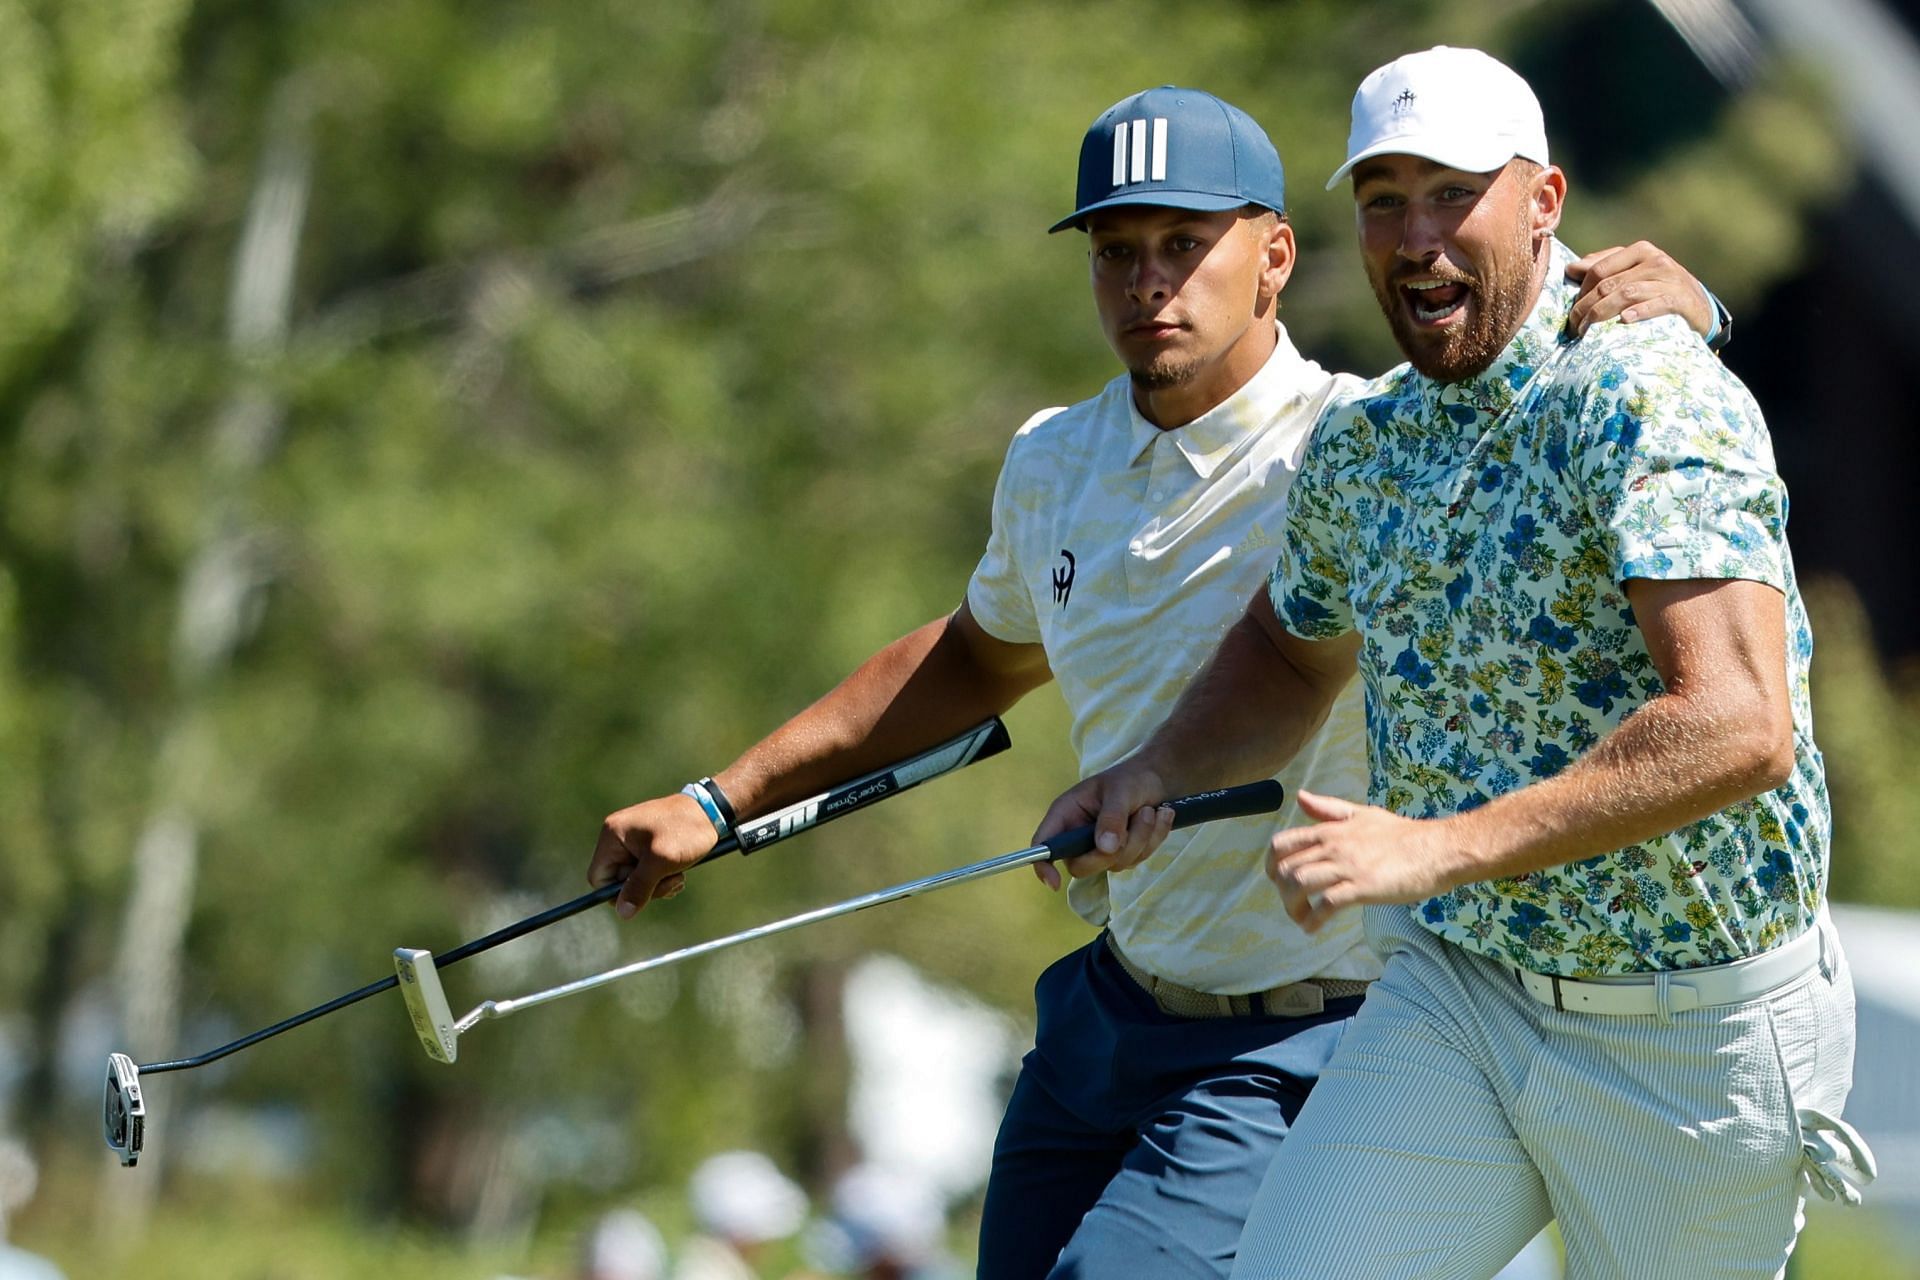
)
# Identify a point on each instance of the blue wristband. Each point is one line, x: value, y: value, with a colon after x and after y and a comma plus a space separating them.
x: 704, y: 798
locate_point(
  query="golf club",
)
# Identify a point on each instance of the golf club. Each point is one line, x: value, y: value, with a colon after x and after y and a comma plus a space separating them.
x: 440, y: 1032
x: 123, y: 1110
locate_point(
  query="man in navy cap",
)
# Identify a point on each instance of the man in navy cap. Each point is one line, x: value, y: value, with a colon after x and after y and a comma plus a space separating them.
x: 1128, y: 532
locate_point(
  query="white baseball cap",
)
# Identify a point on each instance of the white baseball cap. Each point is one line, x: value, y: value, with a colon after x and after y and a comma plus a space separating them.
x: 625, y: 1245
x: 888, y: 1215
x: 740, y: 1195
x: 1458, y: 107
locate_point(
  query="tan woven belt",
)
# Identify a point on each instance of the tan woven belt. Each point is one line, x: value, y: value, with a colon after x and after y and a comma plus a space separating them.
x: 1295, y: 1000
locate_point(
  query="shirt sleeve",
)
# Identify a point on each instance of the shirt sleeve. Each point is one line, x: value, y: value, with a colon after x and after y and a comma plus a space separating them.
x: 1678, y: 469
x: 1308, y: 585
x: 997, y: 593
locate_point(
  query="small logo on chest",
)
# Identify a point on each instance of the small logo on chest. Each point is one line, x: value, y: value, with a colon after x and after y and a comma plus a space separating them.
x: 1063, y: 579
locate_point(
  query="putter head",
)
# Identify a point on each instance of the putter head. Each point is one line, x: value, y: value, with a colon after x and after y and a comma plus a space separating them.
x: 427, y: 1003
x: 122, y: 1111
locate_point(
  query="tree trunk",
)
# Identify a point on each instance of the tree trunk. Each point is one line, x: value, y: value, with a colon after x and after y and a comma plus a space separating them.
x: 213, y: 613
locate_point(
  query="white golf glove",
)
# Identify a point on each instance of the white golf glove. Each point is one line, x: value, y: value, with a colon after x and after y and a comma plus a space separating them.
x: 1836, y: 1162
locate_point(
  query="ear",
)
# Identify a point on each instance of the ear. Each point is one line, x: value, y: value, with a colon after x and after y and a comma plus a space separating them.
x: 1278, y: 267
x: 1548, y: 197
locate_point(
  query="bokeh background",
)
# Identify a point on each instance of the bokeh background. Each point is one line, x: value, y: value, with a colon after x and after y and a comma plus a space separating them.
x: 426, y: 426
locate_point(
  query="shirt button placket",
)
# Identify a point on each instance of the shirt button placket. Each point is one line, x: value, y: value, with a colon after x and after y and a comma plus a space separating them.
x: 1160, y: 458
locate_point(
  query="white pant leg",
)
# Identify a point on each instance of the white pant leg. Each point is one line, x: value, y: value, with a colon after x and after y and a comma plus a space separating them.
x: 1402, y: 1162
x: 1672, y: 1148
x: 1457, y: 1106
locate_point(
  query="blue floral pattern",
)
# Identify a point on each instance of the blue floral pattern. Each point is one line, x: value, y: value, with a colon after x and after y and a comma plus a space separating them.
x: 1476, y: 535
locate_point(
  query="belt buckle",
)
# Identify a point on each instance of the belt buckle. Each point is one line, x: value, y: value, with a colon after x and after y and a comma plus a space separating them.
x: 1295, y: 1000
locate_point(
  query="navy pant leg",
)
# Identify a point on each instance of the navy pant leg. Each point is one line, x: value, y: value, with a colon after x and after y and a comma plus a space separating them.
x: 1049, y: 1168
x: 1135, y: 1140
x: 1175, y: 1209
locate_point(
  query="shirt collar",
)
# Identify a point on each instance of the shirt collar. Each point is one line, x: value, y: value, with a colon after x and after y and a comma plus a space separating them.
x: 1213, y: 437
x: 1540, y: 336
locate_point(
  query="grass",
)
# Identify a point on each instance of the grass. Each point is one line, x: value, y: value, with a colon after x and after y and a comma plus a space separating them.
x: 273, y: 1233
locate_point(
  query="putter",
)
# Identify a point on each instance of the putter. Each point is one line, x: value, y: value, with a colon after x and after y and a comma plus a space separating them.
x: 440, y: 1032
x: 124, y: 1112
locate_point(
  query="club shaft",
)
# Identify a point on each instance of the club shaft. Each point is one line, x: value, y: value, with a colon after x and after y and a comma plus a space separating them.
x: 928, y: 884
x: 977, y: 743
x: 1232, y: 802
x: 266, y: 1033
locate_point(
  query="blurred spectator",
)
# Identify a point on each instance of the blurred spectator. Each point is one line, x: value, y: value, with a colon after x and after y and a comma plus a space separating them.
x: 18, y: 1177
x: 741, y: 1204
x: 623, y: 1245
x: 887, y: 1224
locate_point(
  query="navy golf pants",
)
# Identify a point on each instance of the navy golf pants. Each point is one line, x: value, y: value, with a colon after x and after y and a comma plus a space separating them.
x: 1135, y: 1140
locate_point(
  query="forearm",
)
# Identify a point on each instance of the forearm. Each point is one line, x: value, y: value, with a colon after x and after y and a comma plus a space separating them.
x: 1245, y: 716
x: 1675, y: 761
x: 923, y: 688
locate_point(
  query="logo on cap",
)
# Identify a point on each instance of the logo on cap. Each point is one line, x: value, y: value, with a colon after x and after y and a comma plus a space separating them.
x: 1131, y: 147
x: 1220, y: 159
x: 1403, y: 103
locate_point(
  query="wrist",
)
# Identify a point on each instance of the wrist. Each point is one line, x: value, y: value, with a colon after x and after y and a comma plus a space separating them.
x: 1460, y: 852
x: 1720, y: 321
x: 1154, y: 772
x: 725, y: 806
x: 713, y: 803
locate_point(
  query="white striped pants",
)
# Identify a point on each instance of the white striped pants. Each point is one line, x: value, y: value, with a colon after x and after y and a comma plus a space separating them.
x: 1459, y: 1115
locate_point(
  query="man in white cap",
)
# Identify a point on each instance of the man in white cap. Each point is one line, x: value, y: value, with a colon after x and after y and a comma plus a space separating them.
x: 1596, y: 855
x: 623, y: 1244
x: 742, y: 1203
x: 887, y: 1224
x: 1173, y: 1050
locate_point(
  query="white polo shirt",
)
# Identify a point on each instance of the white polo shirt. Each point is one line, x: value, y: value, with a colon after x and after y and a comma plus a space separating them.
x: 1128, y: 551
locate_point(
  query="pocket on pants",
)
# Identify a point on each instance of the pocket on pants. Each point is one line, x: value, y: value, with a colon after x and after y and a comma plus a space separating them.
x: 1813, y: 1029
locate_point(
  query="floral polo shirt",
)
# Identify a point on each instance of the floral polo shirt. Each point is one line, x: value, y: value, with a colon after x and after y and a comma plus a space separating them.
x: 1476, y: 534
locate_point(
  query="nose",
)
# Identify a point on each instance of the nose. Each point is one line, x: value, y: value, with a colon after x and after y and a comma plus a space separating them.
x: 1149, y: 283
x: 1421, y: 239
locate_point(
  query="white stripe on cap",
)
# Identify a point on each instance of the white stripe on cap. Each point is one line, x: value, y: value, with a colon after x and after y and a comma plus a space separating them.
x: 1130, y: 151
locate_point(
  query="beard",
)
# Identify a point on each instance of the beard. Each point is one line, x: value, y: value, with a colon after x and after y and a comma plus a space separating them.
x: 1163, y: 371
x: 1496, y: 305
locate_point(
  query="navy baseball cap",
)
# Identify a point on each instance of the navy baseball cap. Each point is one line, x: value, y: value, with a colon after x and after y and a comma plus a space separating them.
x: 1177, y: 148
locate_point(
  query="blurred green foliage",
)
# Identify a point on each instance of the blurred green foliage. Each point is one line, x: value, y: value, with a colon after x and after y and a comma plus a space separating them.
x: 647, y: 366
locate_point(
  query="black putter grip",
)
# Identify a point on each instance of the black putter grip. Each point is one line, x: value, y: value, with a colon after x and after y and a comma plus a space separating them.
x: 1203, y: 806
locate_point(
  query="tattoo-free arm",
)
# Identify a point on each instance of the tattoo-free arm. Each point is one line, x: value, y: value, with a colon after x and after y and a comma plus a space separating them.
x: 1259, y: 698
x: 923, y: 688
x: 1720, y: 732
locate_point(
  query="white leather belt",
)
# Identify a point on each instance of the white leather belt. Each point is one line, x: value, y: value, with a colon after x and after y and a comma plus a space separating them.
x: 1673, y: 991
